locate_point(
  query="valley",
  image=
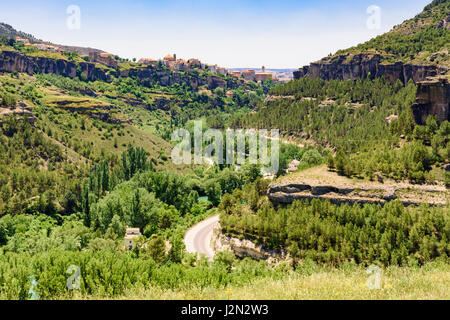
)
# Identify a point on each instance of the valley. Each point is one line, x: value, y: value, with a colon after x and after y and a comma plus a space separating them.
x: 88, y: 175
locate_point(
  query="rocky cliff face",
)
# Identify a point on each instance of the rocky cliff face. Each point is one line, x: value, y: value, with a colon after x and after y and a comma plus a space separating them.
x: 359, y: 66
x: 150, y: 75
x: 433, y: 97
x: 11, y: 61
x: 245, y: 248
x: 340, y: 194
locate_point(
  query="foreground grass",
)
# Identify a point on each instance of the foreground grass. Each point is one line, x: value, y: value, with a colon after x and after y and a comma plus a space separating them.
x: 429, y: 282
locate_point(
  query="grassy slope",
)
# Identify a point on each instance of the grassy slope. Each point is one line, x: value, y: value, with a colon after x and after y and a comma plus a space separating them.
x: 64, y: 119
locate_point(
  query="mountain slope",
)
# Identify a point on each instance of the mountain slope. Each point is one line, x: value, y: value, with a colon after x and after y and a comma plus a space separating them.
x: 9, y: 32
x: 416, y: 49
x: 423, y: 39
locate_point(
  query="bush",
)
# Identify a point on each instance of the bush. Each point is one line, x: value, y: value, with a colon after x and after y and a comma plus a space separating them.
x: 8, y: 101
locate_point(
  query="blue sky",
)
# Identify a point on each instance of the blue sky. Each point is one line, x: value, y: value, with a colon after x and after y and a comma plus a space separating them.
x: 245, y: 33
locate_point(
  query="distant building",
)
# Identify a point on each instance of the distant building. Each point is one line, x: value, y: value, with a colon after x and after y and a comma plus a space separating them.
x: 130, y: 234
x: 229, y: 94
x: 22, y: 40
x: 147, y: 61
x: 170, y: 57
x: 235, y: 73
x: 194, y: 63
x: 46, y: 47
x: 180, y: 65
x: 251, y: 75
x: 222, y: 70
x: 212, y: 68
x: 263, y: 75
x: 103, y: 58
x: 248, y: 75
x: 169, y: 60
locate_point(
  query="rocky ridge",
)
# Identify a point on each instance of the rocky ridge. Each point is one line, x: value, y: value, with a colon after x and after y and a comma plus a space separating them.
x: 361, y: 66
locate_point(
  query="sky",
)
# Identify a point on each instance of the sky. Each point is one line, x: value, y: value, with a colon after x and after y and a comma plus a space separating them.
x: 231, y: 33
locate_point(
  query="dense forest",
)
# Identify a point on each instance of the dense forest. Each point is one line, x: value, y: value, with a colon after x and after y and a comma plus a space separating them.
x: 334, y: 234
x: 357, y: 112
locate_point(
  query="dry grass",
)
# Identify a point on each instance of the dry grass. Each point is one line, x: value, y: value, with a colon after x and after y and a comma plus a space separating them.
x: 402, y: 283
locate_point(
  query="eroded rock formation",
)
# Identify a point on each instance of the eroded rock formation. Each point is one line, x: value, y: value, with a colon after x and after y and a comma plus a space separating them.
x: 362, y: 65
x: 288, y: 193
x: 11, y: 61
x: 245, y: 247
x: 433, y: 98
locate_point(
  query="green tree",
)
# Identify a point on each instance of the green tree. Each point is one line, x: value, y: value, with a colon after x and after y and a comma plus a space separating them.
x: 156, y: 248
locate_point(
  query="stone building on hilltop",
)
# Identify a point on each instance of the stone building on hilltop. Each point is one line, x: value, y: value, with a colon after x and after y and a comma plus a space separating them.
x: 104, y: 58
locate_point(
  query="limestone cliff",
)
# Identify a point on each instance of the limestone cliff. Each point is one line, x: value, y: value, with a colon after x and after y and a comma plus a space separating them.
x: 433, y: 97
x: 245, y: 247
x: 11, y: 61
x: 360, y: 66
x: 371, y: 193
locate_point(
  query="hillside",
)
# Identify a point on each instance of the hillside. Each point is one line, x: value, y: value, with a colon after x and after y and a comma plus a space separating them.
x: 424, y: 39
x: 416, y: 49
x: 9, y: 32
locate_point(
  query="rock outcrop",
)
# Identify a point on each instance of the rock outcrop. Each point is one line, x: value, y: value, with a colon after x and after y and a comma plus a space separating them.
x: 244, y: 247
x: 288, y: 193
x: 433, y: 93
x: 433, y: 98
x: 11, y: 61
x: 362, y: 65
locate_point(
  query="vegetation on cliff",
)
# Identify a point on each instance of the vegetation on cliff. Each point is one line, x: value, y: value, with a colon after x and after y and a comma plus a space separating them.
x: 334, y: 234
x: 423, y: 39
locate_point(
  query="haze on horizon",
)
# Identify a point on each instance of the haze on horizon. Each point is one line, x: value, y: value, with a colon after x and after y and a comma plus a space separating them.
x: 245, y: 33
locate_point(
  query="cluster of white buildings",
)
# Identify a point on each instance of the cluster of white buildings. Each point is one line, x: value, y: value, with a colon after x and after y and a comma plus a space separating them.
x: 173, y: 63
x: 169, y: 61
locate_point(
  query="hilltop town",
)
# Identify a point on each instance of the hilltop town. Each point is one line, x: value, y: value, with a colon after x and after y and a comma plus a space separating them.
x: 170, y: 61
